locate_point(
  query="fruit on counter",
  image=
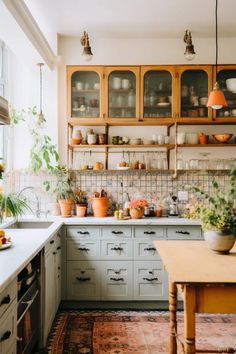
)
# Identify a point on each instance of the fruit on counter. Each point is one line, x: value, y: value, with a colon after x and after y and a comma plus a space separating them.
x: 123, y: 164
x: 2, y: 233
x: 119, y: 214
x: 3, y: 238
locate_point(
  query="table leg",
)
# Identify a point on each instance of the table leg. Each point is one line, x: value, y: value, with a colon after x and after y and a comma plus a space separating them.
x: 189, y: 319
x: 173, y: 320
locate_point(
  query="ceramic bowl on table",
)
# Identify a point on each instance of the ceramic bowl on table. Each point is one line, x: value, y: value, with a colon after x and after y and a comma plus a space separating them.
x: 231, y: 84
x: 222, y: 138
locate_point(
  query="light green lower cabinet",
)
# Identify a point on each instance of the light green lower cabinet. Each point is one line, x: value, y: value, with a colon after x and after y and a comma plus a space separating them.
x: 117, y: 278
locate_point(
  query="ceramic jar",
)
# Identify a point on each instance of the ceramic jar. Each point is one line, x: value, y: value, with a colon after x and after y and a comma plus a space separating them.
x: 91, y: 139
x: 76, y: 136
x: 219, y: 241
x: 116, y: 83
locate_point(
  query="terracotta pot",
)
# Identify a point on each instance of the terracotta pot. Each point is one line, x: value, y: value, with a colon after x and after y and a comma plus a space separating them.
x: 66, y: 206
x: 203, y: 139
x: 219, y: 241
x: 55, y: 209
x: 100, y: 207
x: 136, y: 213
x: 81, y: 210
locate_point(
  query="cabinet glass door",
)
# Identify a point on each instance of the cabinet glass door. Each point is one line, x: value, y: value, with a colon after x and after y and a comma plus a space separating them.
x: 194, y: 88
x: 122, y: 94
x: 157, y: 98
x: 228, y: 86
x: 85, y: 94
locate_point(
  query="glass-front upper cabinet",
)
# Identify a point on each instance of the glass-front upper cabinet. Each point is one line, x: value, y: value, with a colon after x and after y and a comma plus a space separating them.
x: 194, y: 87
x: 122, y: 100
x: 157, y: 91
x: 226, y: 78
x: 84, y: 92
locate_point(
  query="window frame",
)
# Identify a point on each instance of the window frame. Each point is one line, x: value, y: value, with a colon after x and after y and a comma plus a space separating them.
x: 3, y: 82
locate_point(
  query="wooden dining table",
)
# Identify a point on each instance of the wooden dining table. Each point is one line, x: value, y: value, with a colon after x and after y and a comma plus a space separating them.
x: 206, y: 282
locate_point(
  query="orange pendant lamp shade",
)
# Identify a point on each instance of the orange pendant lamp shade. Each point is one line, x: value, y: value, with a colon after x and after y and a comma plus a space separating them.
x: 216, y: 98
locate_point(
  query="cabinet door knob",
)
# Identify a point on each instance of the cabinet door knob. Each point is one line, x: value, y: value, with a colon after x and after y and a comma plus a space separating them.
x: 149, y: 232
x: 5, y: 336
x: 83, y: 232
x: 6, y: 300
x: 58, y: 248
x: 182, y: 232
x: 83, y: 279
x: 117, y: 232
x: 150, y: 279
x: 51, y: 242
x: 149, y: 249
x: 117, y: 279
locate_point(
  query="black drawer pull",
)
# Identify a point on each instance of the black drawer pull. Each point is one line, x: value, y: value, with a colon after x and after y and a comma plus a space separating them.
x: 182, y: 232
x: 149, y: 249
x: 83, y: 249
x: 54, y: 252
x: 117, y: 249
x: 117, y: 271
x: 83, y: 232
x: 83, y: 279
x: 150, y: 279
x: 59, y: 247
x: 5, y: 336
x: 117, y: 232
x: 149, y: 232
x: 51, y: 242
x: 117, y: 279
x: 6, y: 300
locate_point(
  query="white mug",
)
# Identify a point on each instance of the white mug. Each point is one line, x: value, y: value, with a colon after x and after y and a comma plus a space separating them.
x: 180, y: 138
x: 116, y: 84
x: 79, y: 85
x: 160, y: 139
x: 125, y: 84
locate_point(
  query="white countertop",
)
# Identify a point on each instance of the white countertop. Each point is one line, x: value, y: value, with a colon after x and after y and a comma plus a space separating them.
x: 26, y: 243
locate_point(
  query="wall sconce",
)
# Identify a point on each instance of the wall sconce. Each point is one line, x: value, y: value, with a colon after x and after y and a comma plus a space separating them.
x: 87, y: 52
x: 189, y: 51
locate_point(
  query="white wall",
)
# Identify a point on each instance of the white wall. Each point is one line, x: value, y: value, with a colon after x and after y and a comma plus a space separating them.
x: 135, y: 52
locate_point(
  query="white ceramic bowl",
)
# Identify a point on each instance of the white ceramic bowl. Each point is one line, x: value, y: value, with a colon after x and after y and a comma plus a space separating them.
x: 203, y: 101
x: 231, y: 84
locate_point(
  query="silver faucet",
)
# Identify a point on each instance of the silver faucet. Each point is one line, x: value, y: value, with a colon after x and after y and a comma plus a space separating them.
x: 38, y: 209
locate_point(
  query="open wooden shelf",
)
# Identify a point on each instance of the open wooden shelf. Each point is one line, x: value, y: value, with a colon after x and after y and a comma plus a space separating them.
x: 122, y: 146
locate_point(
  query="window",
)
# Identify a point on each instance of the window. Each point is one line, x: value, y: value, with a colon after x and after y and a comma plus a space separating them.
x: 3, y: 94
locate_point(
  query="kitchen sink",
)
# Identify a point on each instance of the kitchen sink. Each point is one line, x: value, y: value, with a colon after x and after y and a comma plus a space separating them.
x: 30, y: 225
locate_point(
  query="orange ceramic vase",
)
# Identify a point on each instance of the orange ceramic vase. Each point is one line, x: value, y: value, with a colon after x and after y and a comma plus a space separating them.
x: 100, y: 207
x: 136, y: 213
x: 81, y: 210
x: 66, y: 206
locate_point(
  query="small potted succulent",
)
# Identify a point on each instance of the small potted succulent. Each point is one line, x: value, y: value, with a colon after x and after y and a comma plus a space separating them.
x: 218, y: 214
x: 81, y: 204
x: 137, y: 208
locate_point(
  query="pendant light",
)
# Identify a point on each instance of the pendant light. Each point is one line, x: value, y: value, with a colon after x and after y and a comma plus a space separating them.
x: 216, y: 98
x: 189, y: 50
x: 40, y: 115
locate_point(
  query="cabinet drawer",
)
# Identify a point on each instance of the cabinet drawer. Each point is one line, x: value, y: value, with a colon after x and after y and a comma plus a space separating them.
x: 145, y: 250
x: 149, y: 281
x: 150, y: 231
x: 83, y: 250
x: 117, y: 249
x: 7, y: 296
x: 117, y: 280
x: 83, y: 280
x: 116, y: 232
x: 183, y: 232
x: 83, y: 231
x: 52, y: 243
x: 8, y: 329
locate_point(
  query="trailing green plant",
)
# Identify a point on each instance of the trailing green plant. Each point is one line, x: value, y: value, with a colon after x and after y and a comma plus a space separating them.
x: 43, y: 153
x: 63, y: 189
x: 217, y: 210
x: 12, y: 205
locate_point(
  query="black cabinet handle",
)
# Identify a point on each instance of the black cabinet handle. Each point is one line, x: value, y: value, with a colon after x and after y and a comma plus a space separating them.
x: 149, y: 249
x: 83, y: 232
x: 182, y: 232
x: 117, y: 249
x: 117, y: 271
x: 6, y: 300
x: 149, y: 232
x: 5, y: 336
x: 58, y: 248
x: 54, y: 253
x: 117, y: 279
x: 150, y: 279
x: 51, y: 242
x: 83, y: 279
x: 83, y: 249
x: 117, y: 232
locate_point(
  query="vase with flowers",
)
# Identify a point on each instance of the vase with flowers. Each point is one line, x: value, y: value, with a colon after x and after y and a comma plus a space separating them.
x: 137, y: 208
x: 217, y: 213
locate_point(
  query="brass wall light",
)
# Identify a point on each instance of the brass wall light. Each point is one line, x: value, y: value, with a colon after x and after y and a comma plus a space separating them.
x: 87, y: 52
x: 189, y: 50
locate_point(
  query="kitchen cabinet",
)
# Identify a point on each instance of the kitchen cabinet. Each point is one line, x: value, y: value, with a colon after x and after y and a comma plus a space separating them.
x: 52, y: 282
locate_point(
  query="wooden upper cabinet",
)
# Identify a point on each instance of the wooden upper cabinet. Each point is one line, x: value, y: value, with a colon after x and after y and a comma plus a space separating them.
x: 122, y: 91
x: 158, y: 94
x: 85, y: 92
x: 193, y: 85
x: 225, y: 73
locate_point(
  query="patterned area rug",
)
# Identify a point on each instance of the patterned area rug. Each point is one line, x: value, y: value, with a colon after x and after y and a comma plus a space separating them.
x: 139, y: 332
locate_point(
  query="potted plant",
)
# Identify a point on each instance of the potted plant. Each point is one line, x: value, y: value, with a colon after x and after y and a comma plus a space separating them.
x: 137, y: 208
x: 12, y: 205
x: 81, y: 204
x: 217, y: 214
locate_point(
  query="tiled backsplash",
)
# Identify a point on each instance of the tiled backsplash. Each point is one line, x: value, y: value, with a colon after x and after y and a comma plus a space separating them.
x: 151, y: 185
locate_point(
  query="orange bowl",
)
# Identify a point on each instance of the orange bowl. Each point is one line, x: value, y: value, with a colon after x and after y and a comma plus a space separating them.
x: 222, y: 138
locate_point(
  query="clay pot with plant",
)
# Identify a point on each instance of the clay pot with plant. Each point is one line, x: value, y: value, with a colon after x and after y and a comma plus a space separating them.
x: 12, y: 205
x: 81, y: 204
x: 100, y: 204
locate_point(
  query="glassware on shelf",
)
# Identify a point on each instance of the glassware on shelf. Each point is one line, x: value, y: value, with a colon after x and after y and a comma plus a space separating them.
x: 204, y: 162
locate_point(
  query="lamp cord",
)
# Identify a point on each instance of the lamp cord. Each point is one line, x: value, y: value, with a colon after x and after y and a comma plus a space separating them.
x: 216, y: 22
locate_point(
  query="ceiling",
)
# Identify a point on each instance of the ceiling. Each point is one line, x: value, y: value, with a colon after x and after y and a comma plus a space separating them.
x: 134, y: 18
